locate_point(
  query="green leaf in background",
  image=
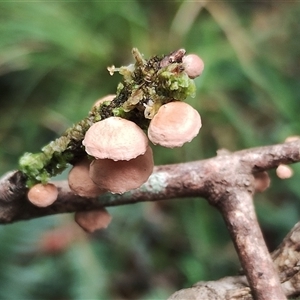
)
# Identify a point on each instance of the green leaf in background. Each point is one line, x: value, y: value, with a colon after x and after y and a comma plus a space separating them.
x: 53, y: 59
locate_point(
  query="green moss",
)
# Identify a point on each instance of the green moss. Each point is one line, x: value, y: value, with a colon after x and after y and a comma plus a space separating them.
x: 176, y: 85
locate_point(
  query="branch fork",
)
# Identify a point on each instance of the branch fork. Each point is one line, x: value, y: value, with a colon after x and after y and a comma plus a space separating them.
x: 226, y: 181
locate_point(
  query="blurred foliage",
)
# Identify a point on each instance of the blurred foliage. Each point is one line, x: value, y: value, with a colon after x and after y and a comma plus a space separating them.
x: 53, y: 59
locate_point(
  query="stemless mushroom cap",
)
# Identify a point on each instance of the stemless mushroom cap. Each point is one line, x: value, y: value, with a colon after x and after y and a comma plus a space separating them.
x: 93, y: 219
x: 284, y: 171
x: 107, y: 98
x: 193, y: 65
x: 262, y: 181
x: 174, y: 124
x: 42, y: 195
x: 122, y: 176
x: 80, y: 182
x: 115, y: 138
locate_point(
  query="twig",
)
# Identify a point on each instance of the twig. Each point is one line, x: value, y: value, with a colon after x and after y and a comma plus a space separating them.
x: 226, y: 181
x: 169, y: 181
x: 286, y: 259
x: 239, y: 214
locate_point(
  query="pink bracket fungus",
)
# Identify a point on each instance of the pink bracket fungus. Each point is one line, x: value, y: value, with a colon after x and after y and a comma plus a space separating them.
x: 122, y: 176
x: 115, y: 138
x: 80, y: 182
x: 193, y: 65
x: 42, y: 195
x: 262, y: 181
x: 174, y: 124
x: 93, y: 219
x: 284, y: 171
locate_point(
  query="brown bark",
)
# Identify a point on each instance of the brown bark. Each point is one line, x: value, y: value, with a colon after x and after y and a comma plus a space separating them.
x: 286, y: 259
x: 238, y: 212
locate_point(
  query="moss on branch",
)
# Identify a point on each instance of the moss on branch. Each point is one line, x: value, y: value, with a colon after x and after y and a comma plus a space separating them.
x: 146, y: 85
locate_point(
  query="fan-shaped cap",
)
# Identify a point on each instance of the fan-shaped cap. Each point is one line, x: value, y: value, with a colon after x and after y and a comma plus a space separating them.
x: 174, y: 124
x: 80, y: 182
x: 42, y: 195
x: 93, y: 219
x: 122, y: 176
x: 115, y: 138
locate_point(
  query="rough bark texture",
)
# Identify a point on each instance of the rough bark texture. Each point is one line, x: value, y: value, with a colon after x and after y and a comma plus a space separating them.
x: 198, y: 178
x: 286, y: 259
x: 226, y: 181
x: 238, y: 212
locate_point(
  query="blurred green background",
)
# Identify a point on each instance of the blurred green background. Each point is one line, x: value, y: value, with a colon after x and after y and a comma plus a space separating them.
x: 53, y: 59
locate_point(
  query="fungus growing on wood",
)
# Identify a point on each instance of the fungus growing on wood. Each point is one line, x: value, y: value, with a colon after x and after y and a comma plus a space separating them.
x: 146, y: 85
x: 80, y: 182
x: 193, y: 65
x: 115, y: 138
x: 93, y: 219
x: 174, y: 124
x: 262, y: 181
x: 284, y: 171
x: 123, y: 175
x: 42, y: 195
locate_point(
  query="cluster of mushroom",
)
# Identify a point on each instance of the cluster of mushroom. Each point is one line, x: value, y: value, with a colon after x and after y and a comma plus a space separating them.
x: 119, y: 156
x: 122, y: 159
x: 262, y: 179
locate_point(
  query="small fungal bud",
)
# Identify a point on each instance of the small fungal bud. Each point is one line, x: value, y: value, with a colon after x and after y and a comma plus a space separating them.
x: 115, y: 138
x: 93, y: 219
x: 81, y: 183
x: 262, y: 181
x: 123, y: 175
x: 193, y: 65
x: 107, y: 98
x: 292, y: 138
x: 42, y: 195
x: 284, y: 172
x: 174, y: 124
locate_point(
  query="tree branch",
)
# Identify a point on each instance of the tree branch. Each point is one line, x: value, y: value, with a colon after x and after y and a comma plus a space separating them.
x: 286, y: 259
x: 239, y: 214
x: 190, y: 179
x: 226, y: 181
